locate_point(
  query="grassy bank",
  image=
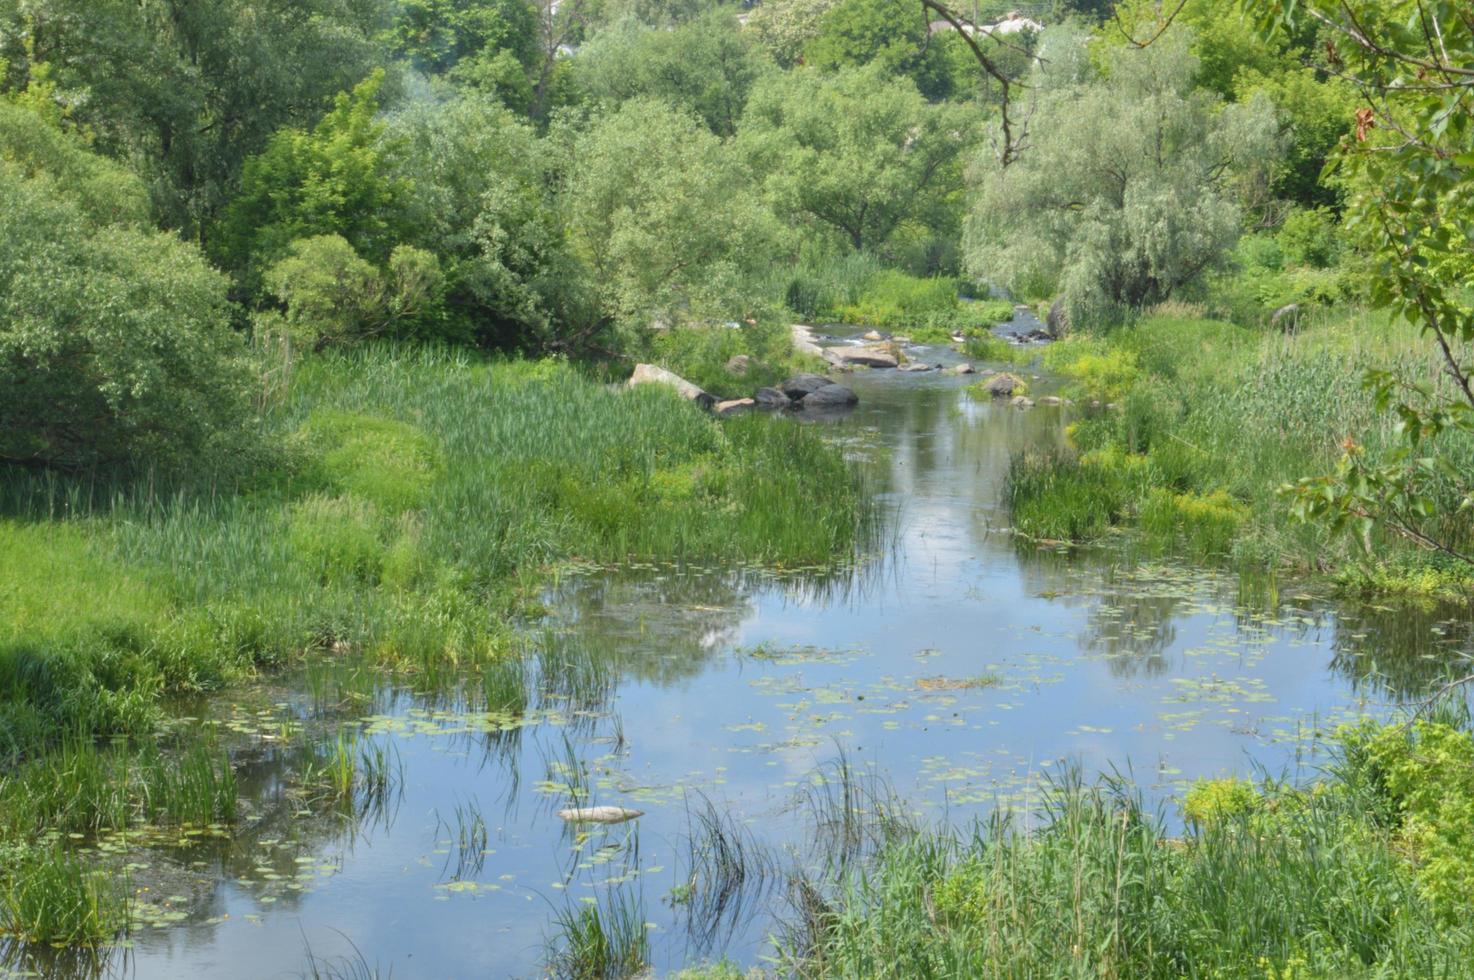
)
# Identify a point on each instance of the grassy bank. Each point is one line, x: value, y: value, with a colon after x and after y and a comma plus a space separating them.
x: 418, y: 502
x: 1207, y: 420
x: 1361, y: 873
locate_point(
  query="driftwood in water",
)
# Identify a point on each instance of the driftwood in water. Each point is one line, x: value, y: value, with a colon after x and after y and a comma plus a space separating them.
x: 600, y: 814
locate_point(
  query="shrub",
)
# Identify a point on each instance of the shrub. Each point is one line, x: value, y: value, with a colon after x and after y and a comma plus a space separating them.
x: 1215, y: 801
x: 115, y: 345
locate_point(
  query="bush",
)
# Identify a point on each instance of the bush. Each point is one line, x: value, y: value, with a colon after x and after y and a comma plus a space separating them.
x: 115, y: 345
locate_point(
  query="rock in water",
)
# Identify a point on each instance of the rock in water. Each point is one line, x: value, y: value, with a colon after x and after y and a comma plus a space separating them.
x: 599, y: 814
x: 875, y: 357
x: 962, y: 369
x: 735, y: 407
x: 770, y: 399
x: 803, y: 385
x: 873, y: 335
x: 831, y: 396
x: 803, y: 341
x: 1005, y: 386
x: 917, y: 367
x: 649, y: 374
x: 1021, y: 401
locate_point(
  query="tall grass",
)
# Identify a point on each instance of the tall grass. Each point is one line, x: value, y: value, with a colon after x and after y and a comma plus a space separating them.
x: 603, y: 940
x: 1209, y: 421
x: 51, y: 897
x: 420, y: 499
x: 1285, y: 882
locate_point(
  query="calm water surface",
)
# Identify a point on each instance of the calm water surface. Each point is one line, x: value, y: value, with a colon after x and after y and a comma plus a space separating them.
x: 963, y: 668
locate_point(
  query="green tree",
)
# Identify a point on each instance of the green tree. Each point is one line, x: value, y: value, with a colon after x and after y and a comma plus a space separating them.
x: 785, y: 27
x: 438, y: 35
x: 480, y: 198
x: 333, y: 297
x: 660, y: 213
x: 1129, y: 186
x: 891, y: 34
x: 115, y: 345
x: 856, y: 153
x: 706, y: 65
x: 1409, y: 171
x: 337, y: 179
x: 187, y: 90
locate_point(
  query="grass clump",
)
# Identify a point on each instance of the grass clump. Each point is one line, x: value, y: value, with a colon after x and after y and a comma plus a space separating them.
x: 50, y: 897
x: 604, y: 940
x: 1354, y: 875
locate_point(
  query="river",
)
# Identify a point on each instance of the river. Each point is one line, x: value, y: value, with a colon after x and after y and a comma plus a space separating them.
x: 959, y: 668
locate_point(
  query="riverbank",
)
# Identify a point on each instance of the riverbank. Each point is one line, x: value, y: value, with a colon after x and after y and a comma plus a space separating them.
x: 1197, y: 426
x: 419, y: 503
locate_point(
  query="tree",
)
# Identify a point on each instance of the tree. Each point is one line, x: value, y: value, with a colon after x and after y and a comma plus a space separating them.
x: 706, y: 65
x: 1128, y: 188
x: 480, y: 198
x: 335, y: 180
x: 115, y: 345
x: 855, y: 153
x: 332, y: 296
x: 187, y: 90
x: 891, y: 34
x: 659, y: 212
x: 437, y: 35
x: 1410, y: 178
x: 785, y: 27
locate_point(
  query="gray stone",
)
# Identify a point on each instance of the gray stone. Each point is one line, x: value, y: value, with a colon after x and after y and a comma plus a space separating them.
x: 739, y: 364
x: 803, y: 341
x: 916, y: 367
x: 873, y: 335
x: 735, y: 407
x: 770, y: 399
x: 803, y: 385
x: 649, y: 374
x: 875, y: 357
x: 961, y: 369
x: 1021, y: 401
x: 832, y: 396
x: 1052, y: 400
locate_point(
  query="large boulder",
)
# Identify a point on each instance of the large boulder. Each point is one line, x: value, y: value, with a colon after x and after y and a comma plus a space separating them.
x: 916, y: 367
x: 770, y: 399
x: 650, y: 374
x: 1058, y: 319
x: 803, y: 341
x: 830, y: 397
x: 801, y: 386
x: 1005, y: 386
x: 961, y: 369
x: 875, y: 357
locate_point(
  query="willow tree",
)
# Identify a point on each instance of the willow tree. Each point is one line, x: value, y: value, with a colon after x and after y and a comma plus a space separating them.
x: 1128, y: 187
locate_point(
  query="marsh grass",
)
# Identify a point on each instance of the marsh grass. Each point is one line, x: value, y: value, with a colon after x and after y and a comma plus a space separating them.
x: 420, y: 502
x: 1302, y: 883
x: 52, y: 897
x: 601, y: 940
x: 728, y: 876
x: 1211, y: 420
